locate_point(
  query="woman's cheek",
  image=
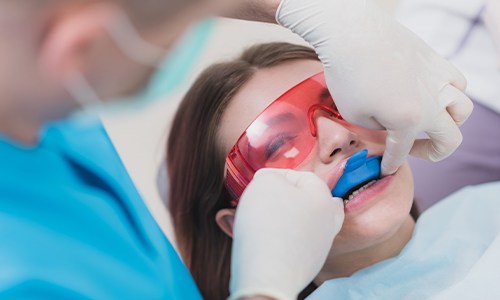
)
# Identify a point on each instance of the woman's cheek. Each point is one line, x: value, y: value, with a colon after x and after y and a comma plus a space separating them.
x: 373, y: 136
x: 368, y: 135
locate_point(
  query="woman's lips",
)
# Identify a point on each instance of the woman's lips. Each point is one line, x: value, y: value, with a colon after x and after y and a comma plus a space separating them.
x: 368, y: 195
x: 363, y: 197
x: 336, y: 173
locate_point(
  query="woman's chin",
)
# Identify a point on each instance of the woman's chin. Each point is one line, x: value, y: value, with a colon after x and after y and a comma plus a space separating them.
x: 365, y: 233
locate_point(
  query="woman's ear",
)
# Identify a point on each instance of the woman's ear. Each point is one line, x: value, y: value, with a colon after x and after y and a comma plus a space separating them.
x: 225, y: 219
x: 64, y: 46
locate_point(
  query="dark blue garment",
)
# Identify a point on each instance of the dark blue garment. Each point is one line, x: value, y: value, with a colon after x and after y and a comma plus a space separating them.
x: 73, y: 226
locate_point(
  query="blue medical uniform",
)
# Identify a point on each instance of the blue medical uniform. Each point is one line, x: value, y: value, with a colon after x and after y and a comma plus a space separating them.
x: 73, y: 226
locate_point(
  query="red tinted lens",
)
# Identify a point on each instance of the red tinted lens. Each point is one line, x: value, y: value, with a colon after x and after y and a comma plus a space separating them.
x: 282, y: 136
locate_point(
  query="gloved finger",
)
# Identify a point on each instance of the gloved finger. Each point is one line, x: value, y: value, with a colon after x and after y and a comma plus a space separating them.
x: 305, y: 180
x: 310, y: 181
x: 397, y: 148
x: 265, y: 171
x: 278, y: 173
x: 295, y: 178
x: 458, y: 79
x: 339, y: 214
x: 443, y: 140
x: 458, y: 105
x: 290, y: 176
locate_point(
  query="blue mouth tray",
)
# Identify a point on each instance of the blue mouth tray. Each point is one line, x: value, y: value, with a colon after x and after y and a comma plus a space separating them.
x: 358, y: 169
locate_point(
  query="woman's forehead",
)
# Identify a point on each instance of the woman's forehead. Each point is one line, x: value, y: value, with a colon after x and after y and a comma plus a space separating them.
x: 265, y: 86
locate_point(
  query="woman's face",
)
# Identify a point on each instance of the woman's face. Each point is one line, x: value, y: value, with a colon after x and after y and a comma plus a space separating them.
x: 374, y: 214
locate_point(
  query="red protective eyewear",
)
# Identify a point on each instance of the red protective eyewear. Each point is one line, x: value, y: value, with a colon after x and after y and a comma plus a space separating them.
x: 282, y: 136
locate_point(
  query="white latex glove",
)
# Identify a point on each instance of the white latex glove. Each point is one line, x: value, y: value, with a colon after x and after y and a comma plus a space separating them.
x: 283, y: 231
x: 382, y: 76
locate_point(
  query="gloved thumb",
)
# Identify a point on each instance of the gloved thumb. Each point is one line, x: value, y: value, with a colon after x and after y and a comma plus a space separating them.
x: 397, y: 147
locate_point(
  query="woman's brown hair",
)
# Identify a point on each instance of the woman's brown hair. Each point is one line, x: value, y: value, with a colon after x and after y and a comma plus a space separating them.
x: 196, y: 163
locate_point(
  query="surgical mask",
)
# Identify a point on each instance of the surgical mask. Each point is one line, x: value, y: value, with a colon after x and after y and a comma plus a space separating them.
x: 168, y: 74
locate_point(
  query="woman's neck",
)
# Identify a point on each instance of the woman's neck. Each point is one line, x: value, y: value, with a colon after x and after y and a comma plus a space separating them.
x: 346, y: 264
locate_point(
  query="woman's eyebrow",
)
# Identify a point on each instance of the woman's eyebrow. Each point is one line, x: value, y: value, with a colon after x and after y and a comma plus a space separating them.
x: 281, y: 118
x: 260, y: 127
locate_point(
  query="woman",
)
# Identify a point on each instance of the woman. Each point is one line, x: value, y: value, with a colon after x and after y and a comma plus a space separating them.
x: 220, y: 106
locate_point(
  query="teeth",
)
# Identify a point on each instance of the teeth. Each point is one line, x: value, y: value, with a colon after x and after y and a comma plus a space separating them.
x: 353, y: 194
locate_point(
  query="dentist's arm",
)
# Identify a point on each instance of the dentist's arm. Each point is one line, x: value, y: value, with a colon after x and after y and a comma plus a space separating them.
x: 381, y: 75
x: 251, y: 10
x: 283, y: 231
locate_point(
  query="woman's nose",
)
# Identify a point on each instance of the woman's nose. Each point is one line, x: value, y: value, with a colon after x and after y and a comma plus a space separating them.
x: 334, y: 139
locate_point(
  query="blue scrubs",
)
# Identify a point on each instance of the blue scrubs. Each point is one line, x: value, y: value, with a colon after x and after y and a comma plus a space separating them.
x: 73, y: 226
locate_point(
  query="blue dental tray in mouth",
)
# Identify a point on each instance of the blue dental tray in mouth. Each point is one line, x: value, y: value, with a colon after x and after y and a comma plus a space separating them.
x: 358, y: 170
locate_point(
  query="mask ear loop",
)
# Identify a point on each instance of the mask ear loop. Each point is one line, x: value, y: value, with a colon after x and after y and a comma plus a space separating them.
x: 130, y: 42
x: 81, y: 90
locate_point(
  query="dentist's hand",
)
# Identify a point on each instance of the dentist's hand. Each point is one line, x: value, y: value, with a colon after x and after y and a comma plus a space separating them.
x: 283, y: 231
x: 382, y: 76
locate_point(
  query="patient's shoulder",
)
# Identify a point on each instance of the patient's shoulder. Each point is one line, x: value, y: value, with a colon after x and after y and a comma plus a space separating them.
x: 467, y: 211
